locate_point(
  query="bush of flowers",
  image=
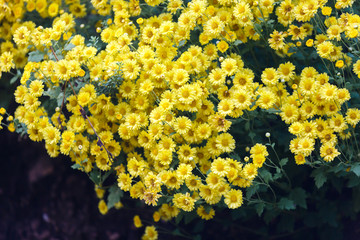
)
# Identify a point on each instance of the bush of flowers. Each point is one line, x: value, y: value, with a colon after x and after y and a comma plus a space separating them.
x: 191, y: 107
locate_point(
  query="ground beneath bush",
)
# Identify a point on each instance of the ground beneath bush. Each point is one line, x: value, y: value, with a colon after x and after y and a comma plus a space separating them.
x: 43, y: 198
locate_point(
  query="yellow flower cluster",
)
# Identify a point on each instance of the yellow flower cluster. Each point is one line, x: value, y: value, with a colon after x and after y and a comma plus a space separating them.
x: 166, y: 130
x: 16, y: 35
x: 163, y: 106
x: 314, y: 109
x: 10, y: 119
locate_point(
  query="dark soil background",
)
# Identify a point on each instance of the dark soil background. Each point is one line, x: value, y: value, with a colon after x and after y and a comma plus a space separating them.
x: 44, y: 198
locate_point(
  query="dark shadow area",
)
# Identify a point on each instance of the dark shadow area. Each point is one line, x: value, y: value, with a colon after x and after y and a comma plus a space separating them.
x: 44, y: 198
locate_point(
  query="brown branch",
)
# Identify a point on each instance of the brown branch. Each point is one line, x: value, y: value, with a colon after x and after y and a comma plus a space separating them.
x: 100, y: 143
x: 53, y: 52
x: 63, y: 100
x: 83, y: 113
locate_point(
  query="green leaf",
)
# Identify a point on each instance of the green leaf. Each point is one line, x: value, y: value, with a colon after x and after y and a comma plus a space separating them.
x: 257, y: 28
x: 286, y: 204
x: 69, y: 46
x: 179, y: 217
x: 353, y: 181
x: 265, y: 174
x: 247, y: 126
x: 58, y: 54
x: 338, y: 168
x: 319, y: 178
x: 273, y: 111
x: 79, y: 85
x: 20, y: 128
x: 356, y: 169
x: 95, y: 176
x: 272, y: 145
x: 277, y: 175
x: 60, y: 98
x: 181, y: 43
x: 252, y: 135
x: 283, y: 161
x: 207, y: 208
x: 271, y: 22
x: 259, y: 207
x: 36, y: 56
x: 115, y: 193
x: 53, y: 92
x: 106, y: 175
x: 235, y: 156
x: 298, y: 195
x: 75, y: 166
x: 238, y: 42
x: 16, y: 77
x: 250, y: 191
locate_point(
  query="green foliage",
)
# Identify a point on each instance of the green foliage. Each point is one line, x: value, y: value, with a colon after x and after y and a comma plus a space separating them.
x: 319, y: 177
x: 36, y: 56
x: 298, y: 195
x: 286, y: 204
x: 115, y: 195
